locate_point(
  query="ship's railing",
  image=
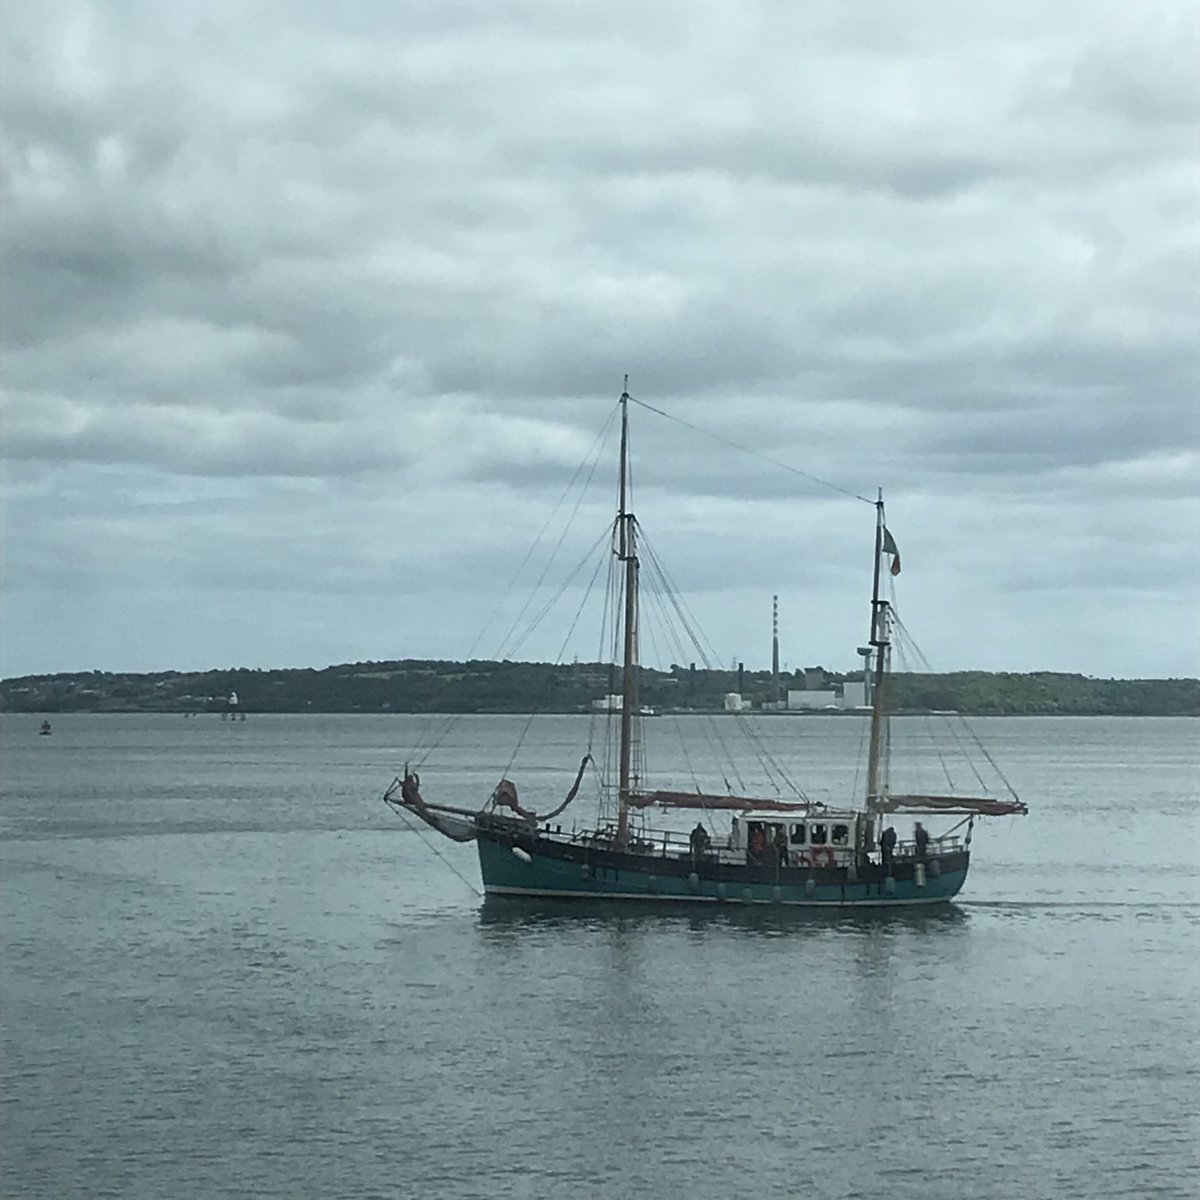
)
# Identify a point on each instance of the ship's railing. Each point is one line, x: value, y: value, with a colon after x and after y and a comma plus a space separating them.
x: 667, y: 843
x: 672, y: 844
x: 951, y: 844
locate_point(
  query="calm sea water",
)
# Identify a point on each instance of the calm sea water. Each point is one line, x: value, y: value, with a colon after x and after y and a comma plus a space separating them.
x: 229, y: 971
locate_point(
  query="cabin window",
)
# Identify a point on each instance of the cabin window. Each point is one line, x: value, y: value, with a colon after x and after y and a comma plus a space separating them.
x: 797, y: 838
x: 818, y: 834
x: 841, y: 835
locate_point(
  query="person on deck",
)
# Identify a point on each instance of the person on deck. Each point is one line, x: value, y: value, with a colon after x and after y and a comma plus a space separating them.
x: 700, y: 842
x: 921, y: 837
x: 758, y: 844
x: 887, y: 847
x: 781, y: 846
x: 770, y: 856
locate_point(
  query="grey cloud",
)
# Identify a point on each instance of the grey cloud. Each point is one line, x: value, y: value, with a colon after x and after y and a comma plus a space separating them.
x: 332, y: 307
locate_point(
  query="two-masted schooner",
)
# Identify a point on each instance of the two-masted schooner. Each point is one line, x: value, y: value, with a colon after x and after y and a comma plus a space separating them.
x: 743, y: 849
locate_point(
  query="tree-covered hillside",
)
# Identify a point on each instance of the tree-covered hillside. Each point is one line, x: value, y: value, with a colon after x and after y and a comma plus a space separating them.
x: 414, y: 685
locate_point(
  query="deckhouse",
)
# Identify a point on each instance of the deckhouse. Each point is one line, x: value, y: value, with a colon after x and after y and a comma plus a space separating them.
x: 817, y: 839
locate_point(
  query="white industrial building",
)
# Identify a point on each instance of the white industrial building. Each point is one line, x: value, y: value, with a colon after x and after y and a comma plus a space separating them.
x: 852, y: 695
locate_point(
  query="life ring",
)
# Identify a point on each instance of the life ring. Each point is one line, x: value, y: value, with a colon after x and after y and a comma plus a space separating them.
x: 822, y: 856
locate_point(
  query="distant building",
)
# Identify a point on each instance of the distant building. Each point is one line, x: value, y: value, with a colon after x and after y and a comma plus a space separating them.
x: 735, y: 703
x: 854, y: 694
x: 799, y: 701
x: 617, y: 704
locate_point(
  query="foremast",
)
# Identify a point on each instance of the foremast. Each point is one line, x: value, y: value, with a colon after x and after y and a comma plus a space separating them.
x: 627, y: 555
x: 879, y: 799
x: 880, y: 644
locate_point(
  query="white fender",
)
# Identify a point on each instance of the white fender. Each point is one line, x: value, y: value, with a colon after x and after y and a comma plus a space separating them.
x: 523, y: 855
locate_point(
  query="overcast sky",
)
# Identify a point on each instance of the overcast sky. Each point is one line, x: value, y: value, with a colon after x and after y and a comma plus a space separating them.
x: 310, y: 312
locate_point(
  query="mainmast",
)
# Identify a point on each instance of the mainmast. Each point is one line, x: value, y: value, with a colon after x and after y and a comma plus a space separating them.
x: 880, y: 645
x: 627, y: 554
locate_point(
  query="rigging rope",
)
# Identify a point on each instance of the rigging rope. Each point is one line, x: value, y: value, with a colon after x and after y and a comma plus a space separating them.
x: 562, y: 648
x: 707, y: 654
x: 966, y: 725
x: 548, y: 607
x: 437, y: 735
x: 606, y: 653
x: 901, y: 644
x: 864, y: 737
x: 501, y: 653
x: 753, y: 453
x: 420, y: 832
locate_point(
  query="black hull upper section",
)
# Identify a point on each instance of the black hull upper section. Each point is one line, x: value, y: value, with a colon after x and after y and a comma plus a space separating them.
x: 516, y: 859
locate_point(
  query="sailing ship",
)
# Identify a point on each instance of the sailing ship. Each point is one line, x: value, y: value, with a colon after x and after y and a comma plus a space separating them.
x: 744, y: 849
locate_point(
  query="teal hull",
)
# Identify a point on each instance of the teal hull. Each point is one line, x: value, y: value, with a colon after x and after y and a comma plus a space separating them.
x: 526, y: 865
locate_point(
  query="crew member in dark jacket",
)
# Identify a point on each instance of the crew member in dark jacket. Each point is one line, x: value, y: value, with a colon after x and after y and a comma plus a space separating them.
x: 921, y: 837
x: 887, y: 847
x: 781, y: 846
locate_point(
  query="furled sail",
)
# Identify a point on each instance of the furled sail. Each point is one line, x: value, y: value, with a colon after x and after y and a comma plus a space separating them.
x: 703, y: 800
x: 979, y: 805
x: 505, y: 796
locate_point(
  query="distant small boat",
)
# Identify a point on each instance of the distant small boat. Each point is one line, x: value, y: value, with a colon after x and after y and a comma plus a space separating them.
x: 45, y: 730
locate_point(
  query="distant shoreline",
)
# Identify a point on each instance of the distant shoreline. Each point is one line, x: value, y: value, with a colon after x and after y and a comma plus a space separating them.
x: 424, y: 686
